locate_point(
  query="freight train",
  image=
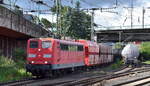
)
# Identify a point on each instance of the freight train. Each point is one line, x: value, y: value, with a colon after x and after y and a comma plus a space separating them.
x: 48, y: 56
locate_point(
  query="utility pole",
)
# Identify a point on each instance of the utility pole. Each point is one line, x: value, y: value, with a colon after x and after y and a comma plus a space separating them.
x: 38, y: 21
x: 116, y: 3
x: 131, y: 14
x: 120, y: 33
x: 60, y: 18
x: 143, y: 11
x: 57, y: 4
x: 1, y: 1
x: 92, y: 25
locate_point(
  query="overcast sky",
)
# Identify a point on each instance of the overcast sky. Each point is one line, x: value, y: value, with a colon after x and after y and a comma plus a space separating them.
x: 121, y: 16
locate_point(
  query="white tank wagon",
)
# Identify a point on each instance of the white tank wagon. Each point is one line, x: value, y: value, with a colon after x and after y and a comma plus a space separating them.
x: 130, y: 54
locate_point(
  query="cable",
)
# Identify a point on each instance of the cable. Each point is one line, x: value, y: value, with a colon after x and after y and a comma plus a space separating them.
x: 87, y: 3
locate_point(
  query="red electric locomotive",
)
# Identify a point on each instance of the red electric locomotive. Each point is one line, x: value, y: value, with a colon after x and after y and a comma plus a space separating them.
x: 46, y: 55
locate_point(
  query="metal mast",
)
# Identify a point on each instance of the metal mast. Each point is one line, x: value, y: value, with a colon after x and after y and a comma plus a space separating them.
x: 143, y: 11
x: 92, y: 25
x: 57, y: 14
x: 58, y: 11
x: 131, y: 14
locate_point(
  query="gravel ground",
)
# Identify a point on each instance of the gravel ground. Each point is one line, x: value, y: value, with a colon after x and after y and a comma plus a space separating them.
x: 95, y: 72
x: 115, y: 81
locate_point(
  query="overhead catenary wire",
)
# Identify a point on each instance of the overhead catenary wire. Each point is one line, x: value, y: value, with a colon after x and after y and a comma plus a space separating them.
x: 33, y: 6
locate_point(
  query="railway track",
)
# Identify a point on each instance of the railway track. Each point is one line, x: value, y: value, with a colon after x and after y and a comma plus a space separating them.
x: 136, y: 82
x: 21, y: 82
x: 83, y: 81
x: 16, y: 81
x: 34, y: 80
x: 99, y: 80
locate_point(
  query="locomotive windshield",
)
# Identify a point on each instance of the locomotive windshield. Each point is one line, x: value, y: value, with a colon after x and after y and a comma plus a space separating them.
x: 33, y: 44
x: 46, y: 44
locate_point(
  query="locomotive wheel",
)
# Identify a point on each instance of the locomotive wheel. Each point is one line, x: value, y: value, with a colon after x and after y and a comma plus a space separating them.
x: 56, y: 73
x: 64, y: 72
x: 48, y: 74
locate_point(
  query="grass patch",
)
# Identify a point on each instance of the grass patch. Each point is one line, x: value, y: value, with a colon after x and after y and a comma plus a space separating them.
x: 146, y: 62
x: 12, y: 70
x: 115, y: 65
x: 145, y: 51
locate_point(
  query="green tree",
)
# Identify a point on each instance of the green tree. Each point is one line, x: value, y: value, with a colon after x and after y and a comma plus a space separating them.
x: 46, y: 23
x: 145, y: 50
x: 79, y: 24
x: 74, y: 23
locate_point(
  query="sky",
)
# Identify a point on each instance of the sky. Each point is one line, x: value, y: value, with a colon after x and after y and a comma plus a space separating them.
x: 120, y: 16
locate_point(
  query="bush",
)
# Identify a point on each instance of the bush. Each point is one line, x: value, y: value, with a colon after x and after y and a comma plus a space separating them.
x: 19, y: 54
x: 117, y: 46
x: 117, y: 64
x: 11, y: 70
x: 145, y: 50
x: 6, y: 62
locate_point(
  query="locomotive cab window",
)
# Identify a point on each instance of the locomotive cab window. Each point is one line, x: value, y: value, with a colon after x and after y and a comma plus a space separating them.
x: 64, y: 47
x: 46, y: 44
x: 33, y: 44
x: 80, y: 48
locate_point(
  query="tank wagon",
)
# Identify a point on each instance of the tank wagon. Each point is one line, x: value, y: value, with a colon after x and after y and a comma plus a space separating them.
x: 130, y: 54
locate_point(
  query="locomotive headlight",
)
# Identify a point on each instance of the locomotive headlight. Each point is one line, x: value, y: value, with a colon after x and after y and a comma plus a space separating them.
x: 31, y: 55
x: 47, y: 55
x: 45, y: 62
x: 32, y: 61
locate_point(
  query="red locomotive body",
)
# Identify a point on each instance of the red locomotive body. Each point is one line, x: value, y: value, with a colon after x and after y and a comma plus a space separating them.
x: 40, y: 51
x: 68, y: 54
x: 48, y: 55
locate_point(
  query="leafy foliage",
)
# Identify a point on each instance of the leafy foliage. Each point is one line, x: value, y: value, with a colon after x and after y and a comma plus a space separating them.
x: 74, y: 23
x: 117, y: 46
x: 6, y: 62
x: 11, y: 70
x: 79, y: 24
x: 117, y: 64
x: 19, y: 53
x: 146, y: 62
x: 46, y: 23
x: 145, y: 50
